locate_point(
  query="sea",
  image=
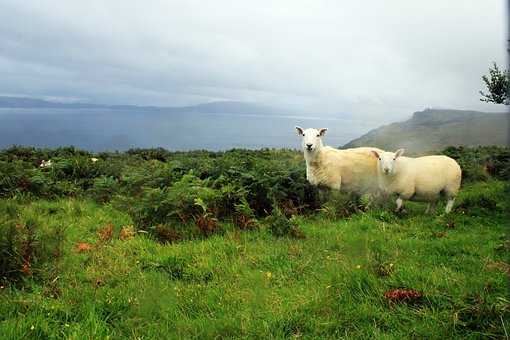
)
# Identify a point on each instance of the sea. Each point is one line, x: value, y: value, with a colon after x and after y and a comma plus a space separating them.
x: 114, y: 129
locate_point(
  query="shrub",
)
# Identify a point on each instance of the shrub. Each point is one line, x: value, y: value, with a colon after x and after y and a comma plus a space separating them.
x: 483, y: 199
x: 482, y: 162
x: 244, y: 217
x: 103, y: 189
x: 281, y: 226
x: 478, y: 204
x: 14, y: 178
x: 204, y: 221
x: 159, y: 154
x: 165, y: 234
x: 172, y: 204
x: 157, y: 186
x: 341, y: 205
x: 151, y: 174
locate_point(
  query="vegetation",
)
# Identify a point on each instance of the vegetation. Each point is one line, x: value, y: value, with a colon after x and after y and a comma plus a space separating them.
x: 481, y: 163
x: 152, y: 243
x: 498, y: 86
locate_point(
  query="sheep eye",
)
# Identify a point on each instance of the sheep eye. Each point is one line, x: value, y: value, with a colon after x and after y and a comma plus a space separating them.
x: 318, y: 135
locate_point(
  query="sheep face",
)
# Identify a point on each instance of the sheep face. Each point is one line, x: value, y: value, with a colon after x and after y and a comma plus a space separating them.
x: 387, y: 160
x: 312, y: 138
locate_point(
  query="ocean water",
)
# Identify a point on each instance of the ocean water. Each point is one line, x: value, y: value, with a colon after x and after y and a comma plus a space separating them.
x: 103, y: 129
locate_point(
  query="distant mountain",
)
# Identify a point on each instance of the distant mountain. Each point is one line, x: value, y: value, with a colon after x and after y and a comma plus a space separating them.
x: 434, y: 129
x: 229, y: 107
x: 24, y: 102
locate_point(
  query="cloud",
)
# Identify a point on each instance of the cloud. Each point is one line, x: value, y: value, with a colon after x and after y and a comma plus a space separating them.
x: 369, y: 58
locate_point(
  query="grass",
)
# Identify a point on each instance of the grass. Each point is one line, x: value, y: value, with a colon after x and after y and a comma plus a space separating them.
x: 250, y: 284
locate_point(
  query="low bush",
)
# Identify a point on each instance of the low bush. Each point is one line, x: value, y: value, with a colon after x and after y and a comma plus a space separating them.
x: 481, y: 163
x: 280, y: 226
x: 341, y: 205
x: 159, y: 187
x: 103, y: 189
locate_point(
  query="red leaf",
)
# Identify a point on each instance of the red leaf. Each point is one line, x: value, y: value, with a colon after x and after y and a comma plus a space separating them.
x: 83, y: 246
x: 402, y: 294
x: 106, y: 232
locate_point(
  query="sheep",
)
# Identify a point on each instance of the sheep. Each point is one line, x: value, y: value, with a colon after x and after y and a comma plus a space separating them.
x: 353, y: 170
x: 421, y: 179
x: 93, y: 160
x: 46, y: 164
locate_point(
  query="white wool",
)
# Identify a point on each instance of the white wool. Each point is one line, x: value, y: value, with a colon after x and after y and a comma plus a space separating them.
x: 421, y: 179
x: 94, y: 159
x: 353, y: 170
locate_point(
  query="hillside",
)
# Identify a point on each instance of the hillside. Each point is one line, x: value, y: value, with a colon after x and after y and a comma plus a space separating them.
x: 153, y: 244
x: 433, y: 129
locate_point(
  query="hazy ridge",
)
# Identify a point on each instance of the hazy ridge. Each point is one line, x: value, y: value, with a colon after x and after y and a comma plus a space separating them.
x: 212, y: 107
x: 434, y: 129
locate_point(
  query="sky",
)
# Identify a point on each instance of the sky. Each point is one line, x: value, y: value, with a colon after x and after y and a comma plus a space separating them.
x: 364, y: 58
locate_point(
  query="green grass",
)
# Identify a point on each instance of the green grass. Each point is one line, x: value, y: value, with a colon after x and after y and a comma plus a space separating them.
x: 250, y: 284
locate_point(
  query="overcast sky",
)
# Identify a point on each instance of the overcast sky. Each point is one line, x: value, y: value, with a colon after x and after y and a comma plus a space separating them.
x: 358, y: 57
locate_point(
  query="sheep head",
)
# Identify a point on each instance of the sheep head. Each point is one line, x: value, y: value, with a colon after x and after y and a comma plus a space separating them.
x: 387, y: 160
x: 312, y: 138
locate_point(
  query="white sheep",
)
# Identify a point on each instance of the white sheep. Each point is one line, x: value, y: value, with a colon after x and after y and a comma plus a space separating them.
x: 352, y: 170
x: 422, y: 179
x: 93, y: 159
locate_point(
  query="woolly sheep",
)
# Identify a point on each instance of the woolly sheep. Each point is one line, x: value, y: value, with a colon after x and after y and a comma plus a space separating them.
x: 421, y: 179
x: 353, y: 170
x: 93, y: 160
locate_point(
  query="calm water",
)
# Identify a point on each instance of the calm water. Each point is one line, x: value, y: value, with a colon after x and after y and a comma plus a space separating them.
x: 99, y: 130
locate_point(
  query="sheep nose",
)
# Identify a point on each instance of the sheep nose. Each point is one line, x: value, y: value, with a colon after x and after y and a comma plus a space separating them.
x: 386, y: 170
x: 309, y: 146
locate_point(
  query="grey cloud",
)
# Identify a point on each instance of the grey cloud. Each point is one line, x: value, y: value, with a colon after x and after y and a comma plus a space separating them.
x: 369, y: 58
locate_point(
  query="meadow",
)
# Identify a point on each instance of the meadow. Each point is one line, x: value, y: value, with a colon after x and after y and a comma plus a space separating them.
x: 157, y: 244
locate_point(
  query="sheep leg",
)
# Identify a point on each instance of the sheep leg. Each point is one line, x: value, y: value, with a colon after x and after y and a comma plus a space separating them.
x: 431, y: 208
x: 377, y: 198
x: 449, y: 205
x: 400, y: 204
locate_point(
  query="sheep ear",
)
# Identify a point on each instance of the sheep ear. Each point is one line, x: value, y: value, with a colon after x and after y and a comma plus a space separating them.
x: 375, y: 153
x: 322, y: 131
x: 399, y: 153
x: 299, y: 131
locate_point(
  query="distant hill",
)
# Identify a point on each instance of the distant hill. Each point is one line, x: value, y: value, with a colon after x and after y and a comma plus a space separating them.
x: 231, y: 107
x: 434, y: 129
x: 24, y: 102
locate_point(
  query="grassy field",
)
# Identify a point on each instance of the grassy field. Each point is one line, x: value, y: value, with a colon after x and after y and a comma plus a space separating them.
x: 107, y: 282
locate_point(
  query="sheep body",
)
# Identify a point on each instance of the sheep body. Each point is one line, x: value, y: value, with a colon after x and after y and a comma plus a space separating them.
x: 347, y: 170
x: 353, y: 170
x: 421, y: 179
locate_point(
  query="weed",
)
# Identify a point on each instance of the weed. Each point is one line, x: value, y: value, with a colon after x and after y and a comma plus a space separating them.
x: 166, y: 234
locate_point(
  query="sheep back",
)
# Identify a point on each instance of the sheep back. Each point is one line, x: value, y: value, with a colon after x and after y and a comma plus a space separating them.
x: 424, y: 178
x: 352, y: 170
